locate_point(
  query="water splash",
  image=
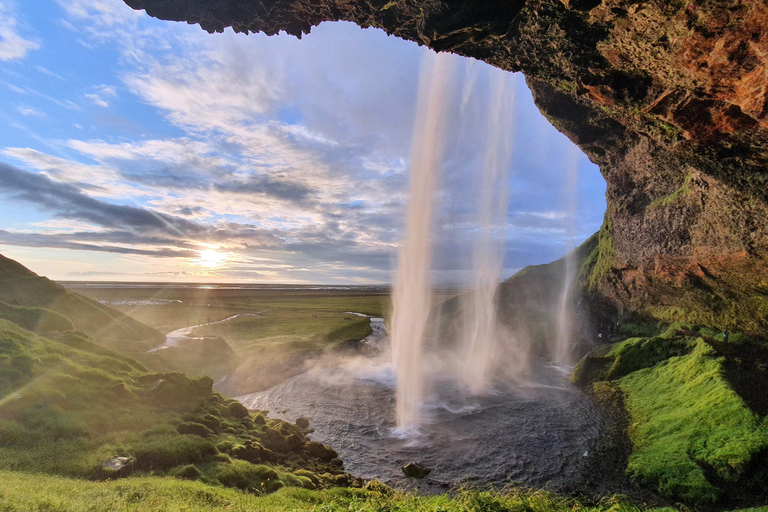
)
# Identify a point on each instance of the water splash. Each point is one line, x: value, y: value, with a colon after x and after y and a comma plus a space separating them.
x: 564, y: 341
x: 480, y: 336
x: 411, y: 294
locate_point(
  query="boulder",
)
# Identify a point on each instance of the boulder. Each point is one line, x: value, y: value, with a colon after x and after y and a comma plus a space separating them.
x: 416, y: 470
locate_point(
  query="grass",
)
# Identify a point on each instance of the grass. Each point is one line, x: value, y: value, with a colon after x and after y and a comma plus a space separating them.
x: 694, y: 438
x: 175, y: 307
x: 20, y: 287
x: 36, y: 319
x: 294, y: 329
x: 602, y: 259
x: 68, y: 404
x: 278, y: 327
x: 23, y: 492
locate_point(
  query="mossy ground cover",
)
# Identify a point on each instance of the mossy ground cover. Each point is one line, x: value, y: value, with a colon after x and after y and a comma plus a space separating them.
x: 694, y: 438
x: 24, y: 492
x: 68, y: 404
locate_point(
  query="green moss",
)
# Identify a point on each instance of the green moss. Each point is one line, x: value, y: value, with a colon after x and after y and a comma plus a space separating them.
x: 686, y: 421
x: 602, y: 259
x: 675, y: 197
x: 693, y: 437
x: 638, y: 353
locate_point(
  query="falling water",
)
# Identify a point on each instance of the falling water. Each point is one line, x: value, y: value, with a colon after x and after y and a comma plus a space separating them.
x: 564, y: 340
x: 411, y: 294
x: 480, y: 329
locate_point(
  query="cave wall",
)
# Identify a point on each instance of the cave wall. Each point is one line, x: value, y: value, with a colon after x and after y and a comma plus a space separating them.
x: 668, y: 97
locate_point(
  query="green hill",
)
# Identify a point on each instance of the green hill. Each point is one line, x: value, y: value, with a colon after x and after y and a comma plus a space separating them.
x: 20, y: 287
x: 68, y: 405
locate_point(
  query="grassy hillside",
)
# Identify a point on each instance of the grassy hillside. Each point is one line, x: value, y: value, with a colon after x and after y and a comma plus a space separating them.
x: 530, y: 301
x: 697, y: 417
x: 21, y: 287
x: 68, y: 405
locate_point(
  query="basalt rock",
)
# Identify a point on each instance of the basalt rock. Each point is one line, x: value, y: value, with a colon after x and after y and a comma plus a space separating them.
x: 669, y: 98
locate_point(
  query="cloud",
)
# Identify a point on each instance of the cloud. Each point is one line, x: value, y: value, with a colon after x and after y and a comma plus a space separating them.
x: 59, y: 242
x: 30, y: 111
x: 12, y: 45
x: 96, y: 99
x: 46, y: 71
x: 69, y: 202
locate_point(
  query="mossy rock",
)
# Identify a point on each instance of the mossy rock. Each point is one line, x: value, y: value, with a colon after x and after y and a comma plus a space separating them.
x: 308, y: 474
x: 195, y: 429
x: 238, y: 410
x: 320, y: 451
x: 252, y: 454
x: 590, y: 369
x: 188, y: 472
x: 166, y: 452
x: 377, y: 486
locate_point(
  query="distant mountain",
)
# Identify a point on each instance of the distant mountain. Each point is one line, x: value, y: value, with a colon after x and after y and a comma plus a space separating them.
x: 25, y: 293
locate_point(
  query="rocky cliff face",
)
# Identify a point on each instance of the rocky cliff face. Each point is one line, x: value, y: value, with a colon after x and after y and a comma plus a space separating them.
x: 669, y: 97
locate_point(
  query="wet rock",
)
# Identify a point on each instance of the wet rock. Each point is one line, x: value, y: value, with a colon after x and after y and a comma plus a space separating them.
x: 302, y: 423
x: 416, y: 470
x: 342, y: 480
x: 294, y: 443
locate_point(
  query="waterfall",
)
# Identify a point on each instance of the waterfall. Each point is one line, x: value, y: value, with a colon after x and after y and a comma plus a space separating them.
x: 480, y: 333
x: 411, y: 294
x: 564, y: 340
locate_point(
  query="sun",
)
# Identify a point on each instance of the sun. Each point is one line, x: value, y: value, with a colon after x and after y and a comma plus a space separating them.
x: 210, y: 258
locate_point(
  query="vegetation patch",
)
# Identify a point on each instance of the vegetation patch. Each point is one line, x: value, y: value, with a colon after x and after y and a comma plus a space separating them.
x: 602, y: 259
x: 694, y: 438
x: 675, y: 197
x: 23, y: 492
x: 39, y: 320
x: 68, y: 406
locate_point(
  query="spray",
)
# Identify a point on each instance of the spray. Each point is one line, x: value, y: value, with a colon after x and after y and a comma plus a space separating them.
x: 411, y: 294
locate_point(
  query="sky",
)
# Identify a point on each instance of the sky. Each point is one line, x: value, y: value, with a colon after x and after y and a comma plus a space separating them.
x: 134, y: 149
